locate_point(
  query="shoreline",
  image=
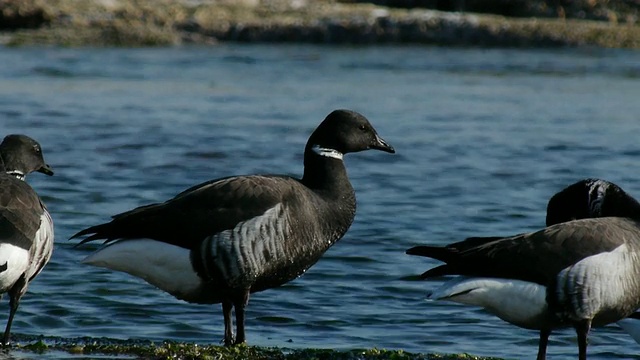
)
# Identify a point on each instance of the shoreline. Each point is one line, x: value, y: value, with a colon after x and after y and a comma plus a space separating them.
x: 143, y: 349
x: 106, y: 23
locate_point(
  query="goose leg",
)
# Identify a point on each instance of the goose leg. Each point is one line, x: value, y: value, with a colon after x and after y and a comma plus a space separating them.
x: 542, y: 345
x: 15, y: 293
x: 240, y: 324
x: 582, y: 329
x: 239, y: 304
x: 227, y: 306
x: 13, y: 304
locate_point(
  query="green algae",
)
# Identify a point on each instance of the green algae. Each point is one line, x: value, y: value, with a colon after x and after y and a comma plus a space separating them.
x: 142, y: 349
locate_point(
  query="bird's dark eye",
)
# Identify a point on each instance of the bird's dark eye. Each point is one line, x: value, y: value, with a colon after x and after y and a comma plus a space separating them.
x: 363, y: 128
x: 36, y: 149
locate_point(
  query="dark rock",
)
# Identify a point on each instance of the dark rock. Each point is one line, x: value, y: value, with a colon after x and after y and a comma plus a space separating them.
x: 15, y: 14
x: 602, y: 10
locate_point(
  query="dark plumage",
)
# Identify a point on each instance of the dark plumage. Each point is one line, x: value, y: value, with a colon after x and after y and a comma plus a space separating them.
x: 573, y: 273
x: 219, y: 241
x: 581, y: 273
x: 591, y: 198
x: 26, y: 228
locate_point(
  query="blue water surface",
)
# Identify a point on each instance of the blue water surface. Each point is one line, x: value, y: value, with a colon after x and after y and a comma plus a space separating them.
x: 483, y: 139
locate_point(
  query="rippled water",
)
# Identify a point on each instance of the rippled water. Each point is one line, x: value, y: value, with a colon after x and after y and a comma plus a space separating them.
x: 483, y: 139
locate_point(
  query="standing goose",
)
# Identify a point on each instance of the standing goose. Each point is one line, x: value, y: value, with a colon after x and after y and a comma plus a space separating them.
x: 578, y: 274
x: 592, y: 198
x: 26, y: 228
x: 588, y: 198
x: 219, y: 241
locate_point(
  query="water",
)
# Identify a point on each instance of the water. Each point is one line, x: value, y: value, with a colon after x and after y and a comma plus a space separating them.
x: 483, y: 139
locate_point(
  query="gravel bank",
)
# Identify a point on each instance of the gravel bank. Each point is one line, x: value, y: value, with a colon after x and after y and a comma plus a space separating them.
x: 174, y: 22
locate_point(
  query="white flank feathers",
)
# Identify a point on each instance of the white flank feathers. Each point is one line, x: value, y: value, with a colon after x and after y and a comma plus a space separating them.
x: 17, y: 261
x: 632, y: 327
x: 43, y: 244
x: 595, y: 283
x: 244, y: 252
x: 163, y: 265
x: 514, y: 301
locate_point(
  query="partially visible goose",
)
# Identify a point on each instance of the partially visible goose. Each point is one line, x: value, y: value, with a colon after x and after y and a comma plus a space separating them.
x: 578, y: 274
x: 219, y: 241
x: 26, y: 228
x: 592, y: 198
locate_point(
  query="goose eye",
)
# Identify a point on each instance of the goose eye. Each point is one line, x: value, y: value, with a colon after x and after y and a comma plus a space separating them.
x: 36, y: 149
x: 363, y: 128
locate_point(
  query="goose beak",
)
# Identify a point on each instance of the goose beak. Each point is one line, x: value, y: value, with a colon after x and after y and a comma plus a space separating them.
x: 380, y: 144
x: 46, y: 169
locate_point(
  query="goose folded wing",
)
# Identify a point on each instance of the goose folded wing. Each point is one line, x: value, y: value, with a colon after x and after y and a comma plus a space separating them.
x: 197, y: 213
x: 20, y: 212
x: 539, y: 256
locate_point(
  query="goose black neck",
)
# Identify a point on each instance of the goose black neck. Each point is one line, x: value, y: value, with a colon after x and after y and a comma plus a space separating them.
x: 627, y: 207
x: 324, y: 172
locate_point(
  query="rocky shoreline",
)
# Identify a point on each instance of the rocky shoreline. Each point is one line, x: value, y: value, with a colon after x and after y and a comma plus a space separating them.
x: 175, y: 22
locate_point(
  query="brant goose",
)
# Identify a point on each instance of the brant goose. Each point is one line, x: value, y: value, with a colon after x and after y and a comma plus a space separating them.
x: 588, y: 198
x: 579, y: 274
x: 219, y: 241
x: 592, y: 198
x: 26, y: 228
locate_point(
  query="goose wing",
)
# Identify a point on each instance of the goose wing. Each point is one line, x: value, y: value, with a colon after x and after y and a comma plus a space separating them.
x: 196, y: 213
x: 20, y: 212
x: 536, y: 257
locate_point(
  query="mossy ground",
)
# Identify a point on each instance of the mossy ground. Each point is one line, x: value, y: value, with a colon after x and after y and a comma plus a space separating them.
x: 83, y: 347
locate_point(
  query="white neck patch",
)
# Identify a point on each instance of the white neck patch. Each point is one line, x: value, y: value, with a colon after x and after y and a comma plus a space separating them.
x: 597, y: 191
x: 327, y: 152
x: 17, y: 173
